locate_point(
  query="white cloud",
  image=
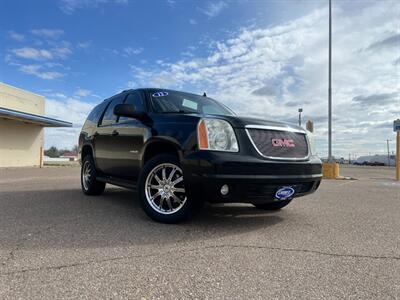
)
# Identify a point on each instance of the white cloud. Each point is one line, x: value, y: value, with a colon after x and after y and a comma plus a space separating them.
x: 38, y: 71
x: 84, y: 45
x: 47, y: 50
x: 69, y: 6
x: 129, y: 51
x: 41, y: 54
x: 48, y: 33
x: 271, y: 72
x: 32, y: 53
x: 71, y: 110
x: 50, y: 93
x: 189, y: 52
x: 61, y: 52
x: 213, y: 9
x: 82, y: 92
x: 16, y: 36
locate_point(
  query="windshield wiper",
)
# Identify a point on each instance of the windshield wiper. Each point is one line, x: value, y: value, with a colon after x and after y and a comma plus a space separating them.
x: 176, y: 112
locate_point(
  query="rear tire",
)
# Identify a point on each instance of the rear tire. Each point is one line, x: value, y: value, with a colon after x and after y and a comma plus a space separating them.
x: 273, y: 205
x: 90, y: 186
x: 162, y: 192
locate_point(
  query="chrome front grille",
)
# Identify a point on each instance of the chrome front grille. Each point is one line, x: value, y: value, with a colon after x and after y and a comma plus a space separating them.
x: 279, y: 142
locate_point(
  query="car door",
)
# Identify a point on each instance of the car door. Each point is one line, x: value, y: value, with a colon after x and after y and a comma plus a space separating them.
x: 129, y: 141
x: 106, y: 158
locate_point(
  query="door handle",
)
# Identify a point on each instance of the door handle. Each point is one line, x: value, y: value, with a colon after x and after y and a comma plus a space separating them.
x: 114, y: 133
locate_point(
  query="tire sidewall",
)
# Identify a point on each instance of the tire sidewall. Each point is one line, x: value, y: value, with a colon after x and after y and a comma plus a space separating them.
x: 183, y: 213
x: 95, y: 187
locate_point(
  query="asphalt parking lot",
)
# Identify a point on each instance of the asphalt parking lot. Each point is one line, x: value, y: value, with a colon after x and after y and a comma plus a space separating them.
x: 341, y: 242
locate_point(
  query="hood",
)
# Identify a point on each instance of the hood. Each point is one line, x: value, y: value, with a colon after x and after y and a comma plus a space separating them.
x: 235, y: 121
x: 242, y: 122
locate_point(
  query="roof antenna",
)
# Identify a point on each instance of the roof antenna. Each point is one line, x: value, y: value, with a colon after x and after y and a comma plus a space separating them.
x: 204, y: 94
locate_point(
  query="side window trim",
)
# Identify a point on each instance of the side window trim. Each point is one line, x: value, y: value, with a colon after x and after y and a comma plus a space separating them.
x: 143, y: 96
x: 102, y: 114
x: 123, y: 101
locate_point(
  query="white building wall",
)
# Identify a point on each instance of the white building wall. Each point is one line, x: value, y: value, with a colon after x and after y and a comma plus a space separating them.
x: 20, y: 142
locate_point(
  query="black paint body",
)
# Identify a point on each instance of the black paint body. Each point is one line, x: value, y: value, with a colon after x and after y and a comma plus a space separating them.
x: 120, y: 149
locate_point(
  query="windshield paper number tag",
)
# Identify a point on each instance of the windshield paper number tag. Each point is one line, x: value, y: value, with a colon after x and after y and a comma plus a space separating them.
x: 189, y: 104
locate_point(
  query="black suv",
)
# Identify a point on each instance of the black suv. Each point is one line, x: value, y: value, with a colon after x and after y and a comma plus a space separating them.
x: 179, y: 150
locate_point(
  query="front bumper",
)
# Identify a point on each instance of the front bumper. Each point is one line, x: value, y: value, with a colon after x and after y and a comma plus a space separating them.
x: 250, y: 179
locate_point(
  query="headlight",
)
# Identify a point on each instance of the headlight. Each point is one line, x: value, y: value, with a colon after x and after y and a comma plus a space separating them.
x: 217, y: 135
x: 311, y: 141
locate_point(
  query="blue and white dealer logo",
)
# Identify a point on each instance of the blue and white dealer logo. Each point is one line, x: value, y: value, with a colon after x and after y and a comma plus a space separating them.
x: 285, y: 192
x: 160, y: 94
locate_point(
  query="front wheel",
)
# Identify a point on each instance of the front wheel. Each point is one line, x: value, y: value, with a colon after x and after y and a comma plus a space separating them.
x: 273, y: 205
x: 162, y: 191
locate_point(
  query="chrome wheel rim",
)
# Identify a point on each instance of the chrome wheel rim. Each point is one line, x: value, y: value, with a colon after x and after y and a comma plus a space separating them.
x: 164, y: 189
x: 86, y: 174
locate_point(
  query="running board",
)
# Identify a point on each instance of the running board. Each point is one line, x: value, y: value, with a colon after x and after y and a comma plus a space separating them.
x: 129, y: 184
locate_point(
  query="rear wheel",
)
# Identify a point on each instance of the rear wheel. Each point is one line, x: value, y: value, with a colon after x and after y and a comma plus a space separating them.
x: 90, y: 186
x: 273, y: 205
x: 162, y: 190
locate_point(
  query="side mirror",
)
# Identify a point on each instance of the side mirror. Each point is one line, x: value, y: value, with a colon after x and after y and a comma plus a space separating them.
x: 127, y: 110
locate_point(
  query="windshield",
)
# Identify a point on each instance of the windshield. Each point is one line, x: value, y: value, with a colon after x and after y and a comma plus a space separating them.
x: 180, y: 102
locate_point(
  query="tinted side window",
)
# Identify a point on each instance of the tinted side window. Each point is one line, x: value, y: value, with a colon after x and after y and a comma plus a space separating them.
x: 96, y: 113
x: 109, y: 118
x: 136, y: 100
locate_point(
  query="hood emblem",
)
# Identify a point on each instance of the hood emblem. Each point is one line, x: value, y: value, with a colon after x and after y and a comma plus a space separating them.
x: 286, y: 143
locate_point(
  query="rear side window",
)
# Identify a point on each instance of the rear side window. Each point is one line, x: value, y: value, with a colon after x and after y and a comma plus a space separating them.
x: 96, y: 113
x: 109, y: 118
x: 136, y: 100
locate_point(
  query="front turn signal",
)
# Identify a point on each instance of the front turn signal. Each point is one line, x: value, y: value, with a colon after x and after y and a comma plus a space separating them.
x: 202, y: 135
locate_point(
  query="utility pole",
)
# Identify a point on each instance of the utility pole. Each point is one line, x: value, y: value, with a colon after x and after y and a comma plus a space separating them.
x: 330, y: 87
x: 387, y: 142
x: 300, y: 111
x: 330, y: 169
x: 398, y: 156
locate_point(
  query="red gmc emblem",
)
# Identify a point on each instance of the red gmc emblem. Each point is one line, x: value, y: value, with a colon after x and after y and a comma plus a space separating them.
x: 289, y: 143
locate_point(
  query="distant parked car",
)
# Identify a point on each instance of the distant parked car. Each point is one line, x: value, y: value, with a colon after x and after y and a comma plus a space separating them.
x: 376, y: 163
x: 180, y: 149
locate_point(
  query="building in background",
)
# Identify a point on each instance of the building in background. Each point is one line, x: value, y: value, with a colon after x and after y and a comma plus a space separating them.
x: 22, y: 123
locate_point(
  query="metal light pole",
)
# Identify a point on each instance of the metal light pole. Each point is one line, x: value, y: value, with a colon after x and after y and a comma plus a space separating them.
x: 330, y: 158
x: 300, y: 111
x: 387, y: 142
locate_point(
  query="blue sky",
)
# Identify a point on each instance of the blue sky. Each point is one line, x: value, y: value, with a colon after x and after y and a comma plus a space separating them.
x: 104, y: 38
x: 262, y: 58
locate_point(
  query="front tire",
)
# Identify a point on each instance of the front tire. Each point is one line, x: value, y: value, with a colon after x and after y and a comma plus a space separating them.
x: 162, y: 192
x: 273, y: 205
x: 90, y: 186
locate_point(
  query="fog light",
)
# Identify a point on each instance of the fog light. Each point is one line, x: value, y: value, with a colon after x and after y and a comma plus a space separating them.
x: 224, y: 190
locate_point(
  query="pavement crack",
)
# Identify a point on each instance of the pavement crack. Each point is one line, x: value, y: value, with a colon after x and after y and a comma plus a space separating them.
x: 231, y: 246
x: 310, y: 251
x: 20, y: 243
